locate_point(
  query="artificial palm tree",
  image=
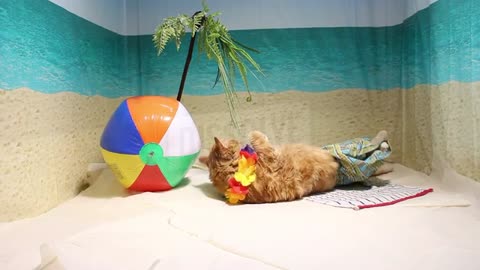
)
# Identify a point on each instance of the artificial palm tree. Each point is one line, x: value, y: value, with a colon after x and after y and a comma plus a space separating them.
x: 215, y: 41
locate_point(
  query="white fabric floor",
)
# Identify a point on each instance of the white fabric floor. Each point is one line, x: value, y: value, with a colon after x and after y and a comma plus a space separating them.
x: 190, y: 227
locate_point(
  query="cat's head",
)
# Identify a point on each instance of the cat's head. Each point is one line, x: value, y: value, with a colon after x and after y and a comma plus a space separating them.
x: 222, y: 162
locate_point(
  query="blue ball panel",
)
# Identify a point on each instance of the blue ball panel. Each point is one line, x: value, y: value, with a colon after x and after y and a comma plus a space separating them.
x: 121, y: 134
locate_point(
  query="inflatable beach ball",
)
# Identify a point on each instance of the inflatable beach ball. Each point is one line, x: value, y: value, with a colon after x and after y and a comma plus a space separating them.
x: 150, y: 143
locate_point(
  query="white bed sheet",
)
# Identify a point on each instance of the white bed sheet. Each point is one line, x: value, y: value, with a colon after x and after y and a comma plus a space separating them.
x: 190, y: 227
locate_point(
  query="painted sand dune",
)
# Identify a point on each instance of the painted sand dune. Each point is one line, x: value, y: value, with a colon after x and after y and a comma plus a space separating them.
x: 49, y: 139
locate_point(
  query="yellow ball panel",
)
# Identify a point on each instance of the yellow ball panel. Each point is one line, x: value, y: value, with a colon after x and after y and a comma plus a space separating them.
x: 125, y: 167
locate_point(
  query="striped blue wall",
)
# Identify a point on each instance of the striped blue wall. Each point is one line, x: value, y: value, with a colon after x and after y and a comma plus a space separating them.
x: 49, y: 49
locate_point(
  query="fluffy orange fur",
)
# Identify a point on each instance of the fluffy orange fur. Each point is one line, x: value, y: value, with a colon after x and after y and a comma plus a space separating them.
x: 284, y: 173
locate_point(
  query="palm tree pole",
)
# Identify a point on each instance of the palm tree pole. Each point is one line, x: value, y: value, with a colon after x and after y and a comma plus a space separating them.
x: 189, y: 58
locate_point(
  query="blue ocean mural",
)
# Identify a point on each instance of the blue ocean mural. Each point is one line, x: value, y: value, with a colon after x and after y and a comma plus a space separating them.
x: 49, y: 49
x: 441, y: 43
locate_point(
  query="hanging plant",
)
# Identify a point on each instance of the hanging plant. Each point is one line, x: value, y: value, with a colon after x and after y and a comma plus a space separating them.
x: 216, y: 42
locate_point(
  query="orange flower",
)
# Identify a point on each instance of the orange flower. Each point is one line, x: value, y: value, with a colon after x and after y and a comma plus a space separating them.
x: 233, y: 197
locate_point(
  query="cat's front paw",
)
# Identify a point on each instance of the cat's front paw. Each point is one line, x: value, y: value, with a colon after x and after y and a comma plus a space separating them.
x: 257, y: 136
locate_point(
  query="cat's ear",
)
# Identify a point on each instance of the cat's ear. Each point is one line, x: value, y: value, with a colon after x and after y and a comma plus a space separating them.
x: 203, y: 160
x: 219, y: 143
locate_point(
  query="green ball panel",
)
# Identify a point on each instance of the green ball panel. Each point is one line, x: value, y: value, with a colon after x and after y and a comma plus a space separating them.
x: 175, y: 168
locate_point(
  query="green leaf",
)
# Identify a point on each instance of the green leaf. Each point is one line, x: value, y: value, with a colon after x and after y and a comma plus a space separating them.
x: 215, y: 42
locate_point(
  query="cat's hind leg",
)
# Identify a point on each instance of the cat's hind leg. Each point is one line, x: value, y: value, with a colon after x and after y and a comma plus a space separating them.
x: 381, y: 136
x: 383, y: 169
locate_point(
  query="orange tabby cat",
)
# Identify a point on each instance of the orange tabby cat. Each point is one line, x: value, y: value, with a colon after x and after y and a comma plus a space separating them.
x: 286, y: 173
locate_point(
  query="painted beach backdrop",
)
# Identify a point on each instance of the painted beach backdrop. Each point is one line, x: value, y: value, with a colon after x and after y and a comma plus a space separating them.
x: 333, y: 70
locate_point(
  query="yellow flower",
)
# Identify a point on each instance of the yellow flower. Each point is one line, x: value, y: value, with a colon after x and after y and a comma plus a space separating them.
x: 246, y: 166
x: 234, y: 198
x: 242, y: 163
x: 244, y: 179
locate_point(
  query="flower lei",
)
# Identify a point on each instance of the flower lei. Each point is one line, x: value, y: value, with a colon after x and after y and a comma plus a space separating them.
x: 244, y: 177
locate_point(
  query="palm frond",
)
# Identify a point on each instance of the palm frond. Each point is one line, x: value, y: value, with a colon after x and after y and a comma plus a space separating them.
x: 216, y: 42
x: 171, y: 28
x: 245, y: 46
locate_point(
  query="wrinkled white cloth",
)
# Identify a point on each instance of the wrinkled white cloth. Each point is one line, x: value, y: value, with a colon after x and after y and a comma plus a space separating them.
x: 191, y: 227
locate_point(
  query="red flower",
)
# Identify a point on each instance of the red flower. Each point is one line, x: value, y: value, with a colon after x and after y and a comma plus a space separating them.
x: 248, y: 155
x: 237, y: 186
